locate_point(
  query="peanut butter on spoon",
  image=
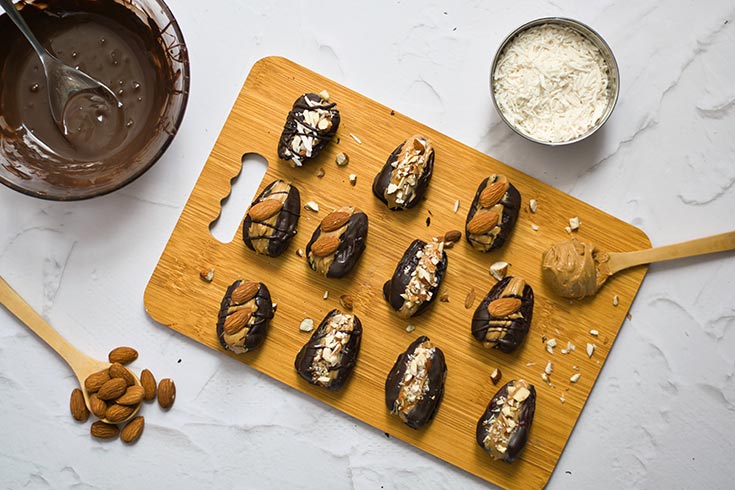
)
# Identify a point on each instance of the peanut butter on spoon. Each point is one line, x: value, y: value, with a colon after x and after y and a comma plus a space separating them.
x: 576, y: 269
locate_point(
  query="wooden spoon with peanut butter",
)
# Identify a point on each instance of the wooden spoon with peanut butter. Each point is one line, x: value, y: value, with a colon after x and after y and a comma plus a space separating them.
x: 576, y: 269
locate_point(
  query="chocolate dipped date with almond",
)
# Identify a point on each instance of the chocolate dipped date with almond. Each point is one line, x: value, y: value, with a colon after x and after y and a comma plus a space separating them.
x: 272, y: 219
x: 503, y: 429
x: 330, y: 355
x: 416, y: 280
x: 415, y: 386
x: 244, y: 315
x: 503, y: 318
x: 493, y: 213
x: 310, y: 126
x: 338, y: 242
x: 404, y: 178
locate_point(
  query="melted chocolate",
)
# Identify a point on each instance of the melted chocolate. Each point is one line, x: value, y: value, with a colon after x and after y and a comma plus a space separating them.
x: 110, y: 43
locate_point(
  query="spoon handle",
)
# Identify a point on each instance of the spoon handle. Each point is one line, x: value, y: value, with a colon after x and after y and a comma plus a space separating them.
x: 23, y: 311
x: 711, y: 244
x: 18, y: 20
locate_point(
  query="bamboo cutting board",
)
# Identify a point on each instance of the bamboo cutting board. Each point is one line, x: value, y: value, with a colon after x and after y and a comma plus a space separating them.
x: 178, y: 298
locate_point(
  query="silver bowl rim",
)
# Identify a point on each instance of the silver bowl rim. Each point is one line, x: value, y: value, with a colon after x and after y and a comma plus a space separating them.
x: 587, y: 32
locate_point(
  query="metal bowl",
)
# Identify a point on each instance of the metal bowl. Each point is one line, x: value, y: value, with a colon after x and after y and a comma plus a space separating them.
x: 594, y: 38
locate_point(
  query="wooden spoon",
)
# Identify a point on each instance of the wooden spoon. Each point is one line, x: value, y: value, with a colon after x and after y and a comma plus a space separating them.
x: 80, y: 363
x: 596, y: 265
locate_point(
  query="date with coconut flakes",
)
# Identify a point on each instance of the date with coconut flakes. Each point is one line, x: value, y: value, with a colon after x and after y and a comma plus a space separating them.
x: 338, y: 242
x: 504, y: 317
x: 415, y: 386
x: 310, y: 126
x: 404, y: 179
x: 417, y: 277
x: 503, y: 429
x: 492, y: 214
x: 244, y: 316
x: 330, y: 355
x: 272, y: 219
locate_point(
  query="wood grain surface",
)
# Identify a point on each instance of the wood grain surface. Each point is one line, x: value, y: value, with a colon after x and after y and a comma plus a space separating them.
x: 179, y: 299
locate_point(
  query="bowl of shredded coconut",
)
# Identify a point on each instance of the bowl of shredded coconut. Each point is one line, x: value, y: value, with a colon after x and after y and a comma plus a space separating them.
x: 554, y: 81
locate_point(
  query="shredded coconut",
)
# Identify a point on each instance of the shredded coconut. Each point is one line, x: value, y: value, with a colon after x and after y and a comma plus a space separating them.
x: 551, y: 83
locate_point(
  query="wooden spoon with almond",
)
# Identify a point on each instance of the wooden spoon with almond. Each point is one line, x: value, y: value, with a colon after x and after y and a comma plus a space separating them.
x: 82, y: 365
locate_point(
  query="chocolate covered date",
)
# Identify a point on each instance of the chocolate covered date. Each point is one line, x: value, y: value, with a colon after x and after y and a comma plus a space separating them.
x: 493, y: 213
x: 415, y: 386
x: 504, y: 317
x: 329, y: 356
x: 416, y: 280
x: 502, y: 430
x: 272, y: 219
x: 338, y: 242
x: 309, y: 128
x: 404, y: 178
x: 244, y: 314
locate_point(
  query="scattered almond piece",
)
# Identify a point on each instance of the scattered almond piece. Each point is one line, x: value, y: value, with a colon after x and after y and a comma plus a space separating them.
x: 574, y: 223
x: 324, y: 95
x: 549, y: 368
x: 452, y: 236
x: 568, y: 229
x: 534, y: 227
x: 207, y: 274
x: 444, y: 298
x: 575, y: 377
x: 456, y: 205
x: 499, y: 269
x: 311, y: 206
x: 616, y: 300
x: 495, y: 376
x: 357, y: 140
x: 300, y: 252
x: 529, y: 364
x: 470, y: 298
x: 562, y: 399
x: 342, y: 159
x: 353, y: 179
x: 590, y: 350
x: 320, y: 173
x: 594, y: 332
x: 307, y: 325
x: 532, y: 205
x: 326, y: 294
x: 346, y: 301
x: 410, y: 328
x: 546, y: 379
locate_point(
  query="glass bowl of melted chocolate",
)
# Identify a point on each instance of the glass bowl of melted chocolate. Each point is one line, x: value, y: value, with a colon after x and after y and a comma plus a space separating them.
x: 136, y: 49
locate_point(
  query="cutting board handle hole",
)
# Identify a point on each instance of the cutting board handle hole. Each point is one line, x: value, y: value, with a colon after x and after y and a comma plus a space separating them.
x: 233, y: 206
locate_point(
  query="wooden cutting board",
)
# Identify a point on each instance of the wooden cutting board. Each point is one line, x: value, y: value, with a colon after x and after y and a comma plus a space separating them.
x: 178, y: 298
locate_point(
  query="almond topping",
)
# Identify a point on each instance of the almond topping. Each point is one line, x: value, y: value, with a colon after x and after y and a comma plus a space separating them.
x: 236, y: 321
x: 264, y: 210
x: 324, y: 246
x: 245, y: 292
x: 493, y: 194
x: 481, y: 223
x: 335, y: 220
x: 502, y: 307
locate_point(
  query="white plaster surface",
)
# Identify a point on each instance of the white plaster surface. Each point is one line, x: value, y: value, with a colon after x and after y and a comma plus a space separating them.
x: 662, y: 414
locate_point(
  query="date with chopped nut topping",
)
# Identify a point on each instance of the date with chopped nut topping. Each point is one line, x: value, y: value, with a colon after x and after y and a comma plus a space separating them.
x: 416, y: 280
x: 503, y: 429
x: 309, y: 128
x: 504, y: 317
x: 244, y: 315
x: 272, y: 219
x: 338, y: 242
x: 415, y: 386
x: 404, y: 179
x: 492, y: 214
x: 330, y: 355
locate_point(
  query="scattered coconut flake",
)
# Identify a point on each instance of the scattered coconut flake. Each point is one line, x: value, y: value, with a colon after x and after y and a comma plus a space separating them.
x: 410, y: 328
x: 574, y: 223
x: 529, y: 364
x: 575, y: 377
x: 499, y: 269
x: 357, y: 140
x: 590, y: 349
x: 312, y: 206
x: 594, y: 332
x: 456, y: 205
x: 534, y: 227
x: 307, y: 325
x: 616, y: 300
x: 353, y: 179
x: 549, y: 368
x: 532, y: 205
x: 326, y: 294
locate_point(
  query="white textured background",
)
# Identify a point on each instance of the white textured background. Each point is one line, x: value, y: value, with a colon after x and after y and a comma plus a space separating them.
x: 662, y: 414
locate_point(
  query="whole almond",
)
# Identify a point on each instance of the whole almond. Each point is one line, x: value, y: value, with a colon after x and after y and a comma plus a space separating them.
x: 132, y: 430
x: 335, y: 220
x: 502, y: 307
x: 77, y: 406
x: 95, y: 381
x: 117, y: 413
x: 98, y: 407
x: 166, y: 393
x: 117, y: 370
x: 149, y: 385
x: 481, y: 223
x: 245, y: 292
x: 264, y: 210
x: 103, y: 430
x: 112, y: 389
x: 123, y: 355
x: 346, y: 301
x: 452, y: 236
x: 493, y: 194
x: 132, y: 396
x: 324, y: 246
x: 236, y: 321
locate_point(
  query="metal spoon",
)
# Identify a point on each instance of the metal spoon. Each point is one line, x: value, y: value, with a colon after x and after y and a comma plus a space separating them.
x: 80, y: 363
x: 64, y: 82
